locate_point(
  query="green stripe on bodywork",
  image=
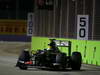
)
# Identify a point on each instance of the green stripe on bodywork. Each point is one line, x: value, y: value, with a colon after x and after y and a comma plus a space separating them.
x: 90, y: 50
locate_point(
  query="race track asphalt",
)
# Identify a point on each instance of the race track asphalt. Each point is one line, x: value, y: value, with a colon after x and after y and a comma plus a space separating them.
x: 7, y: 67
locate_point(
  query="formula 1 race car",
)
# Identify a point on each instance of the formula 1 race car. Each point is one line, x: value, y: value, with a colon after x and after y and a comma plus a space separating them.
x: 52, y: 57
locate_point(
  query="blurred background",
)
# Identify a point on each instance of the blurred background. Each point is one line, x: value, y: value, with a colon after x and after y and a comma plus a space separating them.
x: 59, y: 18
x: 56, y: 19
x: 13, y: 19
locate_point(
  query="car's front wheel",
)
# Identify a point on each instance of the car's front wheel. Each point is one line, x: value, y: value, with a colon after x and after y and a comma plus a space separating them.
x: 23, y: 66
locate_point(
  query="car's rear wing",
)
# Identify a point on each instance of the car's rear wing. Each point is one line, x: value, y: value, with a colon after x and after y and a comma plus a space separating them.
x: 64, y: 43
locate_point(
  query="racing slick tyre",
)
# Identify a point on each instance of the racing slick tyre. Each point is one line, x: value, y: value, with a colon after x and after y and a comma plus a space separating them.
x: 23, y: 66
x: 61, y: 60
x: 76, y: 60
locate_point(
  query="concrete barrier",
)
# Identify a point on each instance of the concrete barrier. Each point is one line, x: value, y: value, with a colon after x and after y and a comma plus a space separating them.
x: 90, y: 49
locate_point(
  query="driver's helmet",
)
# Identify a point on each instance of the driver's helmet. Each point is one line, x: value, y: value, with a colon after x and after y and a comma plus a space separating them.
x: 52, y: 42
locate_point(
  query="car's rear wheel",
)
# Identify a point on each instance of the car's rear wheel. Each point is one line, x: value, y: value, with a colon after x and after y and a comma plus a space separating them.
x: 76, y: 60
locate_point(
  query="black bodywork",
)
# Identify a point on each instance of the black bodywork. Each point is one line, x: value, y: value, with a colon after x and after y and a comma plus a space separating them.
x: 52, y: 57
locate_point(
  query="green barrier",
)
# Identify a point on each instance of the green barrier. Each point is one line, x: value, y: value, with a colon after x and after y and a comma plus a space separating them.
x: 89, y: 49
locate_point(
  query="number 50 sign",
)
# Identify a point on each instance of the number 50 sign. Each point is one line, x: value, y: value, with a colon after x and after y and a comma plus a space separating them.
x: 82, y: 27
